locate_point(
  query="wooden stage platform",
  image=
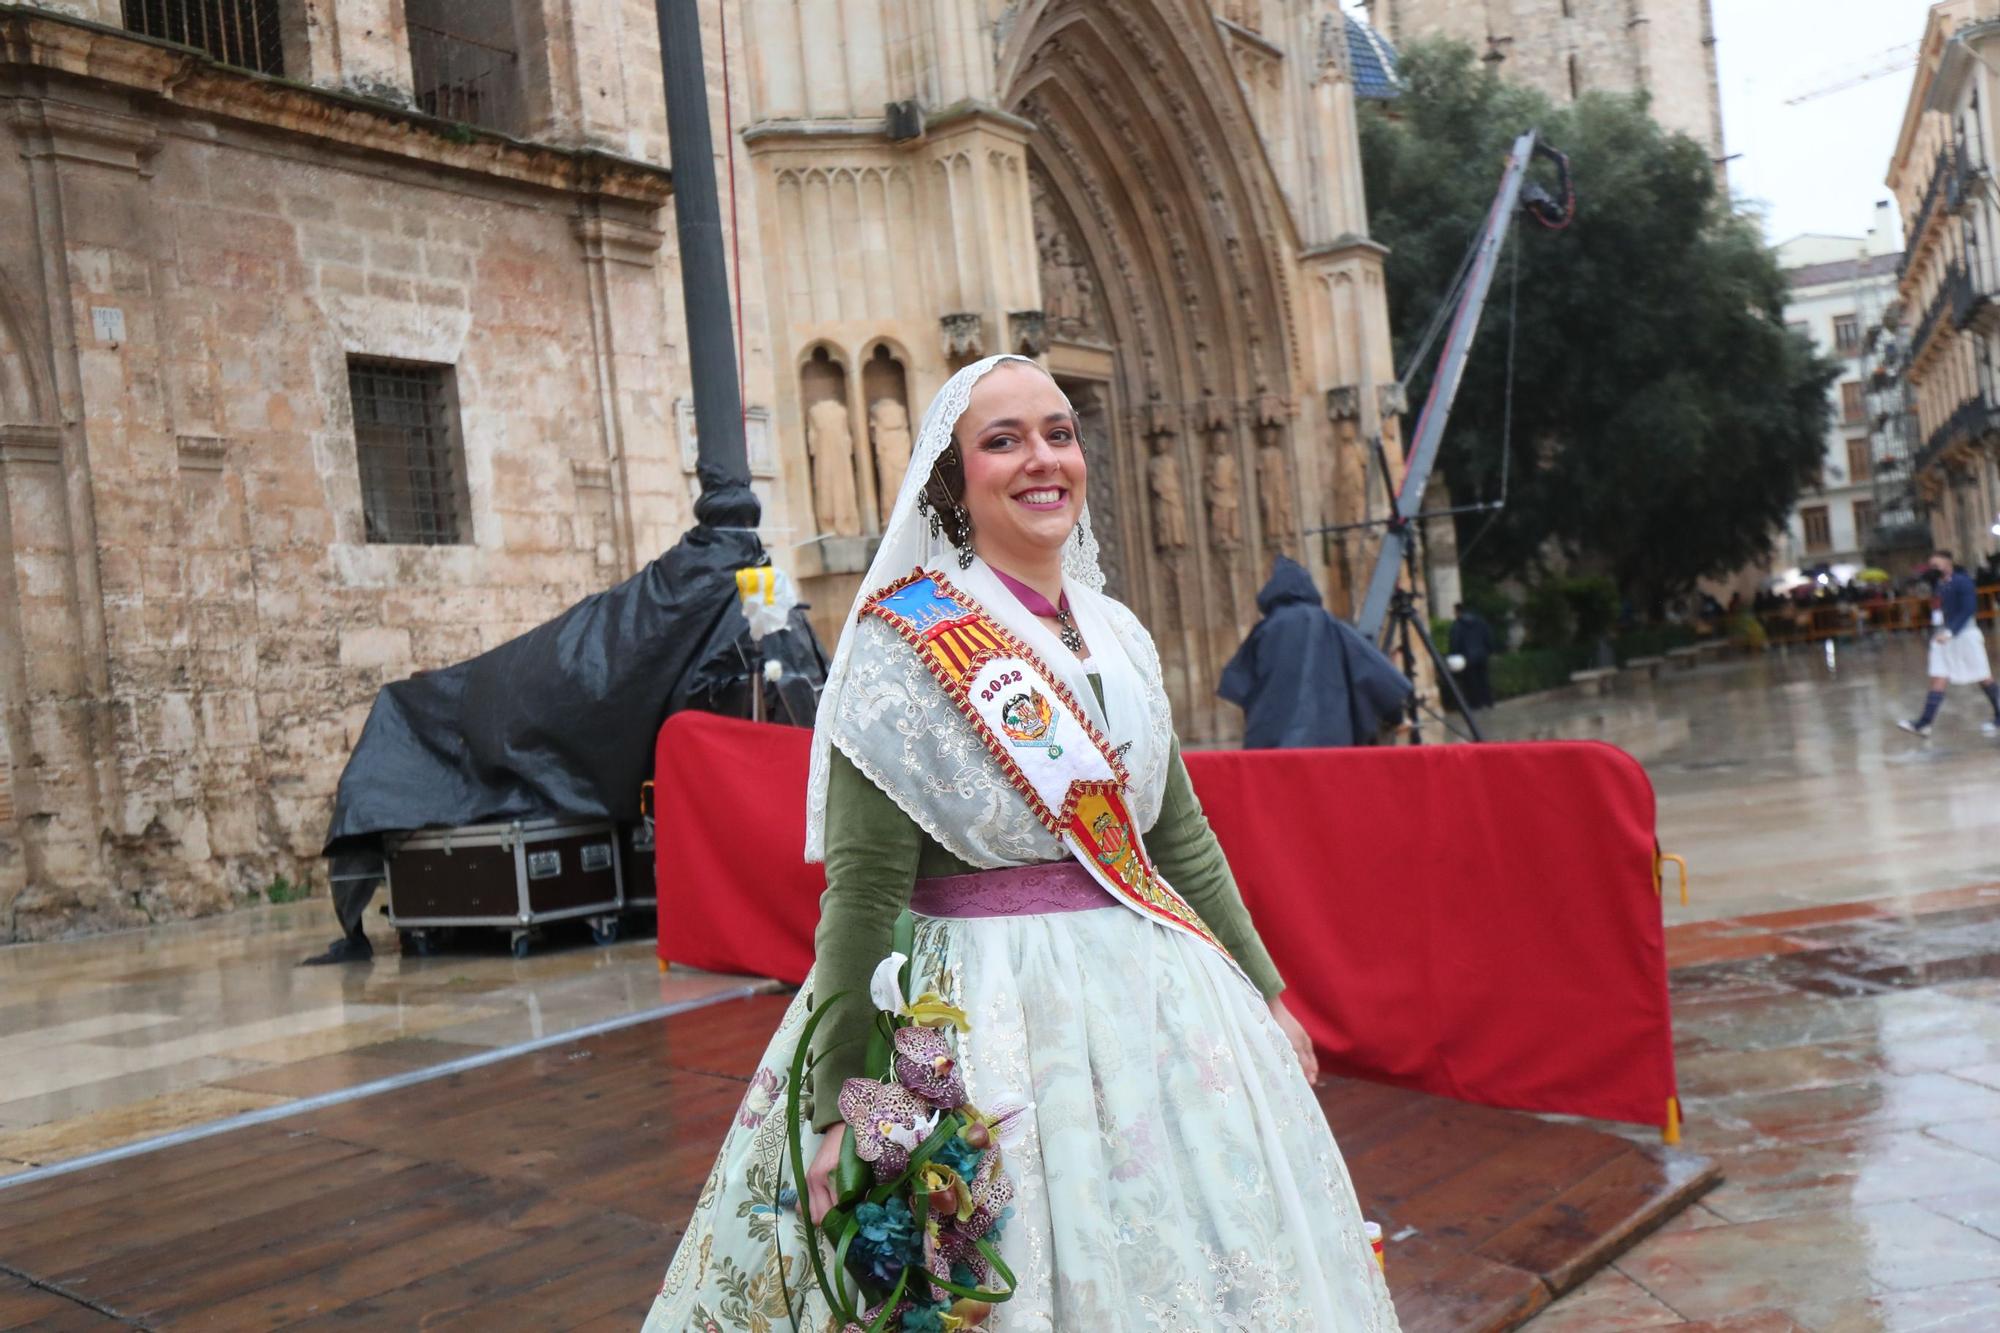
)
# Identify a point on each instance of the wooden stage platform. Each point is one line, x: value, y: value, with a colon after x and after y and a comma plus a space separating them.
x: 546, y: 1192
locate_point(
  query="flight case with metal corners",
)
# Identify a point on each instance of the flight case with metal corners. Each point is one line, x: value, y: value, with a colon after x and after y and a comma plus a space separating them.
x: 513, y: 877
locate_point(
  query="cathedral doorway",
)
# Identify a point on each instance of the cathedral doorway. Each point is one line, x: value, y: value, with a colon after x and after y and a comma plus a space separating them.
x: 1166, y: 315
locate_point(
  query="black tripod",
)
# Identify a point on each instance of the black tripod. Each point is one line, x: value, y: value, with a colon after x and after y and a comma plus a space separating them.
x: 1406, y: 628
x: 1405, y: 621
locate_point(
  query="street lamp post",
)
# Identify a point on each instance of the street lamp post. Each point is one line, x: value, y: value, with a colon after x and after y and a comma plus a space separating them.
x: 723, y: 463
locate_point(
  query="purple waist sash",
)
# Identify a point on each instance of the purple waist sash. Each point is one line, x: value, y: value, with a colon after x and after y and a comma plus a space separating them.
x: 1054, y: 886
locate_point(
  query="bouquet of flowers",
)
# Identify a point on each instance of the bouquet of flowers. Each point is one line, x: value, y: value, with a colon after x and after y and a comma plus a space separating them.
x: 921, y: 1192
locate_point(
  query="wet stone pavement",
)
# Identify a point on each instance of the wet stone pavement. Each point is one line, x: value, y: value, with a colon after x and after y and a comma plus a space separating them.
x: 1836, y: 987
x: 1845, y: 1076
x: 1836, y: 982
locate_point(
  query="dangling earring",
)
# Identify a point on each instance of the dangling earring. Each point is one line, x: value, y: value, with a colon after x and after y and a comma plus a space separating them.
x: 1079, y: 533
x: 925, y: 508
x: 962, y: 535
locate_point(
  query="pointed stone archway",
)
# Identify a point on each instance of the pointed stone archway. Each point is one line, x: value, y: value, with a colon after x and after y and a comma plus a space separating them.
x: 1167, y: 312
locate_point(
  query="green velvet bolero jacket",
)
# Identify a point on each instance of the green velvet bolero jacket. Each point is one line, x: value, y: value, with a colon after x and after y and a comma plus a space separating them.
x: 875, y: 853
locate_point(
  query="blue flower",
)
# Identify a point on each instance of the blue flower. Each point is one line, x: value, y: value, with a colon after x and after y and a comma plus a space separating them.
x: 960, y: 1156
x: 886, y: 1241
x: 921, y: 1318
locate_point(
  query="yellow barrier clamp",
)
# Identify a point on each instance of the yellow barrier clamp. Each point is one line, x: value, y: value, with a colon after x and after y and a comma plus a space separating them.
x: 1660, y: 860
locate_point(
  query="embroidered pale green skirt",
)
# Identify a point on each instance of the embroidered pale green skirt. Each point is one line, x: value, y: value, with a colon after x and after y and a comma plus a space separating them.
x: 1176, y: 1172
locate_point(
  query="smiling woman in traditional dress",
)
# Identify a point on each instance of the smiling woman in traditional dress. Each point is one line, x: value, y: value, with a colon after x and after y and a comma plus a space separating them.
x: 995, y: 754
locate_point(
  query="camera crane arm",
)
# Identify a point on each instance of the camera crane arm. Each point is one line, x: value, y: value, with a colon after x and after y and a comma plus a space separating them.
x: 1399, y: 539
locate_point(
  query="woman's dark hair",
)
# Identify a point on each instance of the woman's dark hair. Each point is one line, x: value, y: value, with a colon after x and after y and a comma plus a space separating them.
x: 945, y: 488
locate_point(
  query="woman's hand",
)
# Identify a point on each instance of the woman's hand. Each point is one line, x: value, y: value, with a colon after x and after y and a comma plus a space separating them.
x: 819, y: 1176
x: 1295, y: 1033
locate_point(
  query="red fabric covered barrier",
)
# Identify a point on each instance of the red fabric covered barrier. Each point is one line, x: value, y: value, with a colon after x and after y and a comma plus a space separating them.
x: 1476, y: 921
x: 729, y: 827
x: 1473, y: 920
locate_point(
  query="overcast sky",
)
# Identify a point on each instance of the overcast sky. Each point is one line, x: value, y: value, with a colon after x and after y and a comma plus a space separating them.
x: 1818, y: 166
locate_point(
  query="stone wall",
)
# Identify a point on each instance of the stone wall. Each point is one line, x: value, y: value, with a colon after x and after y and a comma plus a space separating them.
x: 195, y: 621
x: 1664, y: 47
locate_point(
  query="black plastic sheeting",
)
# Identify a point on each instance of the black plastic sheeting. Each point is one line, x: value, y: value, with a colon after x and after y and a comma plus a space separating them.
x: 560, y: 722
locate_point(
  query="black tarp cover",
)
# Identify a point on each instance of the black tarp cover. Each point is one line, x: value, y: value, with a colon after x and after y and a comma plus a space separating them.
x: 561, y: 720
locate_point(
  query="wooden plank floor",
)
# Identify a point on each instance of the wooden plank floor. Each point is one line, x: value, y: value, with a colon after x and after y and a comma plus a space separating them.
x: 546, y: 1192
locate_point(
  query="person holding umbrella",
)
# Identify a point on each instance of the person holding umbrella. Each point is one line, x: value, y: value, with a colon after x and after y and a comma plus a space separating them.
x: 1958, y: 647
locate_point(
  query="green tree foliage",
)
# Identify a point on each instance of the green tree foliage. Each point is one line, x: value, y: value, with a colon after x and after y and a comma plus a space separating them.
x: 1664, y: 418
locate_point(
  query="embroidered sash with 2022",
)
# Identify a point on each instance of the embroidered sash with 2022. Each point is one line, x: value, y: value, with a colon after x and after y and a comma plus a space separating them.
x: 1049, y: 750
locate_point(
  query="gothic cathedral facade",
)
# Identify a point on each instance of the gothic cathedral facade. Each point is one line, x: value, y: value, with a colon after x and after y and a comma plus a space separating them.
x: 1160, y: 199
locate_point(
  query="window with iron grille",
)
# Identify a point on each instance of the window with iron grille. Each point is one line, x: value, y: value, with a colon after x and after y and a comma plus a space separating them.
x: 464, y: 62
x: 1847, y: 334
x: 236, y: 32
x: 411, y: 458
x: 1818, y: 529
x: 1864, y: 521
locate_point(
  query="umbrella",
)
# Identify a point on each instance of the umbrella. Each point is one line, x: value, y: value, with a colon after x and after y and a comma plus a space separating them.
x: 1874, y: 575
x: 1788, y: 581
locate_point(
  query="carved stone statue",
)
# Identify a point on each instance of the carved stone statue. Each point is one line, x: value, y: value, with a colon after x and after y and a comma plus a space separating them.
x: 1225, y: 492
x: 831, y: 445
x: 889, y: 430
x: 1069, y: 293
x: 1274, y: 487
x: 1169, y: 494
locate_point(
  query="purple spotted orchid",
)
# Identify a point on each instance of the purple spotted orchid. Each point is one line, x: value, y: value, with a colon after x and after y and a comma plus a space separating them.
x: 888, y: 1123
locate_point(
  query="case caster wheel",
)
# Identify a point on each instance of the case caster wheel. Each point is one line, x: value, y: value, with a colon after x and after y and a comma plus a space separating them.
x: 604, y: 929
x: 520, y: 944
x: 417, y: 943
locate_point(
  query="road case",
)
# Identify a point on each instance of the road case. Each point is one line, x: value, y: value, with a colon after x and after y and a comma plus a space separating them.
x: 514, y: 877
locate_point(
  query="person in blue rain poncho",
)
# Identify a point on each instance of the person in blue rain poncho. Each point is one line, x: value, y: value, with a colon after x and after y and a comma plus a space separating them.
x: 1306, y: 679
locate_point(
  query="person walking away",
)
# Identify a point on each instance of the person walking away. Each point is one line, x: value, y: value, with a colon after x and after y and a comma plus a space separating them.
x: 1958, y: 647
x: 1472, y: 639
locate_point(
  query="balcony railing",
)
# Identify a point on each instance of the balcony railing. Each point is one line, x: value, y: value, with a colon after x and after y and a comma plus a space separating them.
x: 243, y: 33
x: 1934, y: 190
x: 1971, y: 421
x: 1969, y: 298
x: 1947, y: 191
x: 461, y: 79
x: 1895, y: 532
x: 1935, y: 313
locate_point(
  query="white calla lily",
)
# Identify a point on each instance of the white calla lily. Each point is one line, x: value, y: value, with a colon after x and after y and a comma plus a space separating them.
x: 885, y: 988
